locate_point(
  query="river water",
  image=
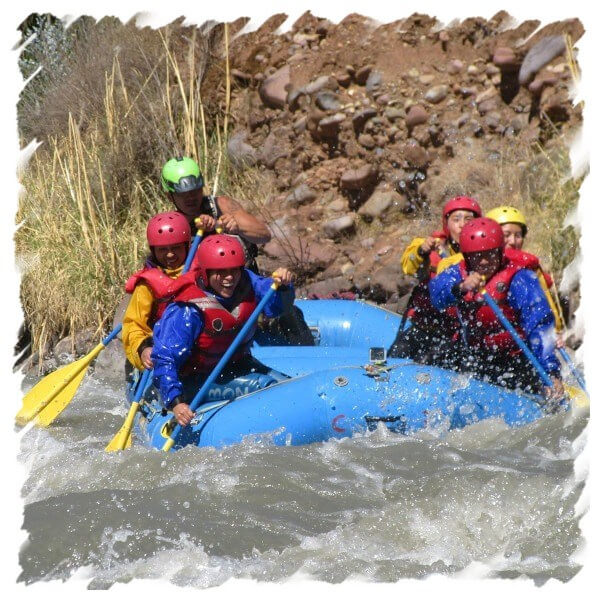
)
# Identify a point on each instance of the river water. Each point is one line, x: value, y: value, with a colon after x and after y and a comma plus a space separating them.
x: 380, y: 507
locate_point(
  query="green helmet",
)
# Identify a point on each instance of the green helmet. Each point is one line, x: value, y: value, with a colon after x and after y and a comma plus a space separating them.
x: 181, y: 174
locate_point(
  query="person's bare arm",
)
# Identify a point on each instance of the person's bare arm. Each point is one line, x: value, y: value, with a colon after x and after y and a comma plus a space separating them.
x: 249, y: 227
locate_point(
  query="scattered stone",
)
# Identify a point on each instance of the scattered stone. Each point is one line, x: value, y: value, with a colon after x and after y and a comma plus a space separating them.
x: 329, y: 287
x: 299, y: 126
x: 436, y: 94
x: 329, y: 127
x: 427, y: 79
x: 362, y: 75
x: 339, y: 226
x: 366, y: 140
x: 241, y: 154
x: 325, y: 81
x: 392, y: 113
x: 455, y: 66
x: 241, y: 77
x: 337, y: 205
x: 472, y: 70
x: 358, y: 179
x: 519, y: 123
x: 539, y: 55
x: 415, y: 155
x: 303, y: 194
x: 374, y: 81
x: 465, y: 92
x: 377, y: 204
x: 360, y: 118
x: 487, y: 105
x: 541, y: 81
x: 328, y: 100
x: 505, y: 58
x: 275, y: 146
x: 273, y: 90
x: 416, y: 116
x: 344, y: 79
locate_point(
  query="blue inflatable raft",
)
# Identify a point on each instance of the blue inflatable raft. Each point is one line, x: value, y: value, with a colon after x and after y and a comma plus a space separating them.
x: 334, y: 391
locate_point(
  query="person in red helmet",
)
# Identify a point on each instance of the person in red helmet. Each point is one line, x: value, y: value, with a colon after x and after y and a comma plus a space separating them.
x: 153, y: 286
x: 198, y: 328
x: 491, y: 352
x: 430, y: 328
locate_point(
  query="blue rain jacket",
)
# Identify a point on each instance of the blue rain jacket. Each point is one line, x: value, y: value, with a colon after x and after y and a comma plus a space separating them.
x: 176, y: 332
x: 525, y: 297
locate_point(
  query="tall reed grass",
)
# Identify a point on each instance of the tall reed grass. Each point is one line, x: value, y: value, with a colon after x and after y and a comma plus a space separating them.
x: 89, y: 192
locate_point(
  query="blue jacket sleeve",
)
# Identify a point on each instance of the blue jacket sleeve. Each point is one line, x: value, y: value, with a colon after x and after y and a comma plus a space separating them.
x: 440, y: 287
x: 526, y: 296
x: 174, y: 337
x: 279, y: 302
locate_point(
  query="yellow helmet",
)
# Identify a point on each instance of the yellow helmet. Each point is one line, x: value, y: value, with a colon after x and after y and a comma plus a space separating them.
x: 508, y: 214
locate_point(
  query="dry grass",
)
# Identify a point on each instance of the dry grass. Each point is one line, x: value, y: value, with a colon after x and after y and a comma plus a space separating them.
x: 535, y: 180
x: 90, y: 189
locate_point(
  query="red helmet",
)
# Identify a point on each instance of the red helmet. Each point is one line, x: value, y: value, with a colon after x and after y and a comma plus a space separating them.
x: 480, y: 235
x: 459, y: 203
x: 219, y: 251
x: 168, y: 229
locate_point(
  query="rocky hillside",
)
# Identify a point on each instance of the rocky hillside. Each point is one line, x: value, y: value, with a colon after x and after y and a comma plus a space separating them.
x: 363, y: 131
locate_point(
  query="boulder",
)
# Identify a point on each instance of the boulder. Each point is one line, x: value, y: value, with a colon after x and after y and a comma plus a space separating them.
x: 416, y: 116
x: 505, y: 58
x: 302, y: 194
x: 241, y: 154
x: 362, y: 75
x: 328, y: 100
x: 339, y: 226
x: 377, y: 204
x: 357, y: 179
x: 273, y: 90
x: 437, y: 93
x: 539, y: 55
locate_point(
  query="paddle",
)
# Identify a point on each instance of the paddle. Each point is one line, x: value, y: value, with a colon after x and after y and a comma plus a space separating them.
x: 59, y: 386
x: 122, y: 439
x: 517, y: 338
x: 578, y: 376
x: 221, y: 364
x: 50, y: 396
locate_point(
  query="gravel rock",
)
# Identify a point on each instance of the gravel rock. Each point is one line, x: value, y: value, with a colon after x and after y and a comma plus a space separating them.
x: 358, y: 179
x: 436, y: 94
x: 339, y: 226
x: 302, y: 194
x: 273, y: 90
x: 539, y: 55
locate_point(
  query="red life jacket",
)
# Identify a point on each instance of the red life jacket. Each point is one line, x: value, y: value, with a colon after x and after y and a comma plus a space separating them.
x: 422, y: 313
x: 527, y: 261
x: 482, y: 326
x: 163, y: 288
x: 220, y: 325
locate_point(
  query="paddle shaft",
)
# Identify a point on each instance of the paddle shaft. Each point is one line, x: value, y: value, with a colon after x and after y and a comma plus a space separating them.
x: 573, y: 369
x: 221, y: 364
x: 517, y: 338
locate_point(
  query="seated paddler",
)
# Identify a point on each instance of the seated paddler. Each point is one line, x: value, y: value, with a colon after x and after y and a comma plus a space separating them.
x: 196, y: 330
x: 491, y: 352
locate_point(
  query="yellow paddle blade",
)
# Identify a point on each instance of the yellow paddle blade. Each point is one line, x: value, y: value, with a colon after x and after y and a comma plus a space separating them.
x: 45, y: 390
x: 578, y: 396
x: 60, y: 401
x: 122, y: 438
